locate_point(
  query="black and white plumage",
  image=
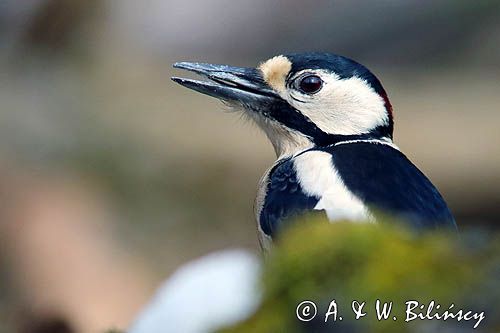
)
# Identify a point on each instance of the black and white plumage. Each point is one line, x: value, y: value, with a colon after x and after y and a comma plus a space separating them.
x: 330, y: 122
x: 350, y: 180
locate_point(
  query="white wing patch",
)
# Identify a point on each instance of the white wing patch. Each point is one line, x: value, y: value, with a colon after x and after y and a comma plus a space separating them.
x: 318, y: 176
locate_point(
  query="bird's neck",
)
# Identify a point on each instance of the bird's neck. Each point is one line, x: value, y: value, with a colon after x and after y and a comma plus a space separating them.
x: 358, y: 137
x: 382, y: 133
x: 288, y: 148
x: 287, y: 143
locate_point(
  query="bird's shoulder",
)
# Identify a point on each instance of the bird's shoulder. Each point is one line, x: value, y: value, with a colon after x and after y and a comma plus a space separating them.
x: 381, y: 176
x: 352, y: 180
x: 305, y: 181
x: 284, y: 196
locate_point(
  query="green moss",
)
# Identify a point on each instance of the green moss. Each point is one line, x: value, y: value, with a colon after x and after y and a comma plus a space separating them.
x: 319, y: 261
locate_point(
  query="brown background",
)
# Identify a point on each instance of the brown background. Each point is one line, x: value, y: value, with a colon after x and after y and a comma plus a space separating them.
x: 111, y: 175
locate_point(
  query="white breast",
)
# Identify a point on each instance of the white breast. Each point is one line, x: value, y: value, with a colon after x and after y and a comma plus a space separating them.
x: 318, y: 176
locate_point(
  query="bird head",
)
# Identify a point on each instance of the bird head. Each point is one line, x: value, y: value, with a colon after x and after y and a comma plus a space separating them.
x: 301, y: 100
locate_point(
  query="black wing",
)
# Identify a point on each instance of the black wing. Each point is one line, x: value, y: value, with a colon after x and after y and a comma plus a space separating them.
x: 284, y: 198
x: 384, y: 179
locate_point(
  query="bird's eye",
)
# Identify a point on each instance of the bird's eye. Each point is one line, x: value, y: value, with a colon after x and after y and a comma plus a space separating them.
x: 310, y: 84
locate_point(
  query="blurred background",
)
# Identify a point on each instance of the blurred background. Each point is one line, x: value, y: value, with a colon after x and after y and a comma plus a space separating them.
x: 111, y: 176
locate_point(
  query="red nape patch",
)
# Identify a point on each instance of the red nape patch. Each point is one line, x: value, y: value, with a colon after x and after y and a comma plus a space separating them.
x: 388, y: 107
x: 387, y: 103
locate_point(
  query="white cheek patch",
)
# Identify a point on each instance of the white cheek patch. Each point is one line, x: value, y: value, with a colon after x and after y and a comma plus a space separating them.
x: 342, y: 106
x: 275, y: 71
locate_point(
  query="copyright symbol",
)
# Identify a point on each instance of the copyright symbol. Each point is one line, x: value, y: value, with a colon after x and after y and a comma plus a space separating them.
x: 306, y: 311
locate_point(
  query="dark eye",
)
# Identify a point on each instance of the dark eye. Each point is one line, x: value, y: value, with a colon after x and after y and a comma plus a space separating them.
x: 310, y: 84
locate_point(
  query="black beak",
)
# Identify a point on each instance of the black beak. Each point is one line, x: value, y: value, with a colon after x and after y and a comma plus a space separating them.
x: 233, y: 84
